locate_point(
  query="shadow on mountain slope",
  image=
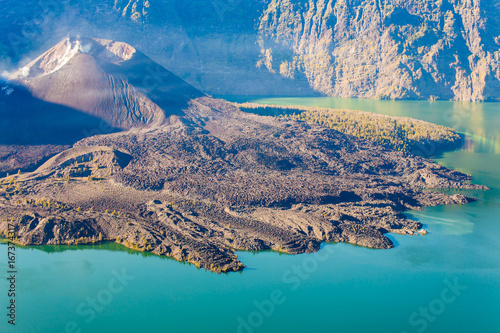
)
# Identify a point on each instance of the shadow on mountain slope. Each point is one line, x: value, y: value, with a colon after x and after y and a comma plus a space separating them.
x: 166, y: 90
x: 27, y: 120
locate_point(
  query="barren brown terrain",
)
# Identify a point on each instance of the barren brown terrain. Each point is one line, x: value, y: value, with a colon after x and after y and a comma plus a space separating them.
x: 202, y: 179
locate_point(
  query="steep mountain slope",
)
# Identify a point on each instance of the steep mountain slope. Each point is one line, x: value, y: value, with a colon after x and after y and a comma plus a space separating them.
x: 78, y: 88
x: 107, y: 80
x: 386, y: 49
x: 27, y: 120
x: 211, y: 45
x: 426, y: 49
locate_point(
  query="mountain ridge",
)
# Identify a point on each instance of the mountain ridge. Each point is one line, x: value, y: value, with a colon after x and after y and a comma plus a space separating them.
x: 371, y: 49
x: 392, y: 50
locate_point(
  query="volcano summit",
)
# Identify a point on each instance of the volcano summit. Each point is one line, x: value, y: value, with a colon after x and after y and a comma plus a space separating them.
x: 107, y: 80
x: 187, y: 176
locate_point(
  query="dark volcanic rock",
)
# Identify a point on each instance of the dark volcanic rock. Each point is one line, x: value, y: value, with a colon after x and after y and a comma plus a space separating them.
x: 216, y: 180
x: 211, y: 179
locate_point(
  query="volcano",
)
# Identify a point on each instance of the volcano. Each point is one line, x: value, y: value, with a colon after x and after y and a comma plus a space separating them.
x: 188, y: 176
x: 98, y: 85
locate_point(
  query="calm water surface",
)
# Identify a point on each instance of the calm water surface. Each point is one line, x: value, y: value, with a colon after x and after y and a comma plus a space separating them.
x: 447, y: 281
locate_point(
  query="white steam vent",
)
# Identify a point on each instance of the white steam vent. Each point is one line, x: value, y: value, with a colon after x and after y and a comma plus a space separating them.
x: 86, y: 48
x: 25, y: 72
x: 60, y: 56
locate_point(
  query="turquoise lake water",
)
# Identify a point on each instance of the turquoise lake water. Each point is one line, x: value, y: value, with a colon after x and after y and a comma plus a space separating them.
x: 447, y: 281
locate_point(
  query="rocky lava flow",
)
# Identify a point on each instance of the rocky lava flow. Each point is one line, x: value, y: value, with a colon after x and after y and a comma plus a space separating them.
x: 185, y: 175
x: 218, y: 180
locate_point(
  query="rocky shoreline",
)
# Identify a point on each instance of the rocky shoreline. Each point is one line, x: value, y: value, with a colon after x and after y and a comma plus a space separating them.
x: 148, y: 161
x: 218, y: 180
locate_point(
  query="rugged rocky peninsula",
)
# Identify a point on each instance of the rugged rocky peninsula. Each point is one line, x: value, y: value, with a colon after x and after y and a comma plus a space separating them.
x: 195, y: 178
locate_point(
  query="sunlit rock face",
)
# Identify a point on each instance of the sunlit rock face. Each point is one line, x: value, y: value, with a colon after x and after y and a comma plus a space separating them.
x: 375, y: 49
x: 386, y: 49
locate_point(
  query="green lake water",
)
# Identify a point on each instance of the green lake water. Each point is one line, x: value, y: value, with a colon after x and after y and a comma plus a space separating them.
x: 447, y: 281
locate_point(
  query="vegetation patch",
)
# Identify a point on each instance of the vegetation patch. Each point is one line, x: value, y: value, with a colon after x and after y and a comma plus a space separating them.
x: 398, y: 133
